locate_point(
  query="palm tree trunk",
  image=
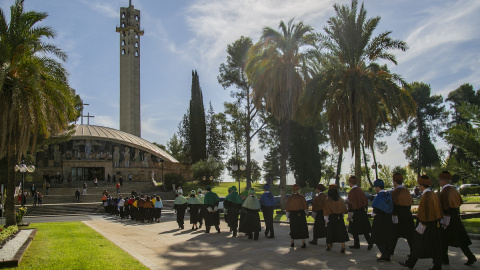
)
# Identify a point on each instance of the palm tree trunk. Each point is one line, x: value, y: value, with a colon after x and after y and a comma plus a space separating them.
x: 339, y: 167
x: 366, y: 165
x: 10, y: 198
x: 375, y: 162
x: 284, y: 133
x: 358, y: 163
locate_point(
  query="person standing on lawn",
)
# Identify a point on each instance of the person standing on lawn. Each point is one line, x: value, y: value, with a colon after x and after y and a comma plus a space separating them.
x: 382, y: 228
x: 180, y: 205
x: 250, y: 207
x: 319, y: 229
x: 267, y: 201
x: 357, y: 214
x: 233, y: 203
x: 454, y: 234
x: 212, y: 215
x: 403, y: 223
x: 427, y: 242
x: 297, y: 211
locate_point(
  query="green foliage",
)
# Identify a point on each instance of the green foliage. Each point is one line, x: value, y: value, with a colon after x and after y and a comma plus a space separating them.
x: 466, y: 136
x: 305, y: 159
x: 385, y: 173
x: 173, y: 178
x: 197, y: 129
x: 422, y: 128
x: 20, y: 214
x: 355, y: 91
x: 176, y: 148
x: 5, y: 233
x: 74, y: 245
x: 216, y: 138
x: 209, y: 168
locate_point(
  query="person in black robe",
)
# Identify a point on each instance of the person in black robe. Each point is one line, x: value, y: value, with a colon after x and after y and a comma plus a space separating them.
x: 268, y: 202
x: 212, y: 215
x: 194, y: 205
x: 180, y: 206
x: 403, y: 223
x: 427, y: 241
x: 250, y: 207
x: 382, y: 228
x: 359, y: 224
x: 297, y: 211
x: 233, y: 204
x: 454, y: 234
x: 333, y: 213
x: 201, y: 212
x: 319, y: 229
x: 241, y: 224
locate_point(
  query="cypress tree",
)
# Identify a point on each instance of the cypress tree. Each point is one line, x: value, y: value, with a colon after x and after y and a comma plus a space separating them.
x: 198, y: 137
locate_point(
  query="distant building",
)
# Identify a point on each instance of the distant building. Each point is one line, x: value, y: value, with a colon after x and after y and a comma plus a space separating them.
x: 95, y: 151
x: 102, y: 152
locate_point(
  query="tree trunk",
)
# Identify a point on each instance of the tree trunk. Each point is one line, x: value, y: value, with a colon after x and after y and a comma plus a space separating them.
x: 339, y: 167
x: 248, y: 171
x: 10, y: 198
x: 284, y: 133
x: 358, y: 163
x: 375, y: 162
x: 366, y: 165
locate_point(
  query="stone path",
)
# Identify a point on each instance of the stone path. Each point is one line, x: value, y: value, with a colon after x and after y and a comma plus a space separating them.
x: 164, y: 246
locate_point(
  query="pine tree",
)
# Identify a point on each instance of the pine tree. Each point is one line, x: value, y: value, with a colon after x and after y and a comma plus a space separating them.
x: 198, y: 137
x: 215, y: 137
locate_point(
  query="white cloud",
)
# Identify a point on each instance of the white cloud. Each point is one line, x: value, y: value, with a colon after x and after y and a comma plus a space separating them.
x: 215, y: 24
x: 107, y: 8
x: 103, y: 120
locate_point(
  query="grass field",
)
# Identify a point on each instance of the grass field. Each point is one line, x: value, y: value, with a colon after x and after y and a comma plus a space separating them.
x: 74, y: 245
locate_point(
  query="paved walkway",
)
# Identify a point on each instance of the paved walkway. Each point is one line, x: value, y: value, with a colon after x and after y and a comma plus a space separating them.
x: 164, y: 246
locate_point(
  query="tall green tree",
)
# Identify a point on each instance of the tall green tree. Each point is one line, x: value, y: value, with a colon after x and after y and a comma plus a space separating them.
x: 250, y: 118
x: 35, y: 96
x: 458, y: 98
x: 466, y: 136
x: 423, y: 127
x: 351, y: 86
x: 196, y: 119
x: 305, y: 158
x: 216, y: 139
x: 176, y: 148
x: 275, y: 69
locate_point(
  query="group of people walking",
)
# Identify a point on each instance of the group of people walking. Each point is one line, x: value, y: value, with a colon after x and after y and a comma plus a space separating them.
x: 138, y: 208
x: 438, y: 220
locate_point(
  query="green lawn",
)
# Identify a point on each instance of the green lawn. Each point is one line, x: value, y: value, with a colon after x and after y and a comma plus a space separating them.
x: 74, y: 245
x: 471, y: 199
x: 472, y: 225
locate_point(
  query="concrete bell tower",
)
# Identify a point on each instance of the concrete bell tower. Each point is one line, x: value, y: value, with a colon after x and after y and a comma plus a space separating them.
x: 130, y: 33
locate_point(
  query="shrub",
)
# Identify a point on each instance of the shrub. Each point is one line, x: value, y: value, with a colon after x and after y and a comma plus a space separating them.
x: 173, y: 178
x: 6, y: 233
x: 20, y: 214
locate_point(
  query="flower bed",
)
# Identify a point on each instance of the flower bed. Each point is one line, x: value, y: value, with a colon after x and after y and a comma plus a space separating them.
x: 6, y: 234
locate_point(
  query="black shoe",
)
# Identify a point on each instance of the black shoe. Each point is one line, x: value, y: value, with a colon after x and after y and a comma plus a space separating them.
x: 266, y: 233
x: 370, y: 246
x: 354, y: 247
x: 446, y: 261
x: 312, y: 242
x: 207, y: 231
x: 272, y: 235
x: 250, y: 236
x: 328, y: 248
x: 200, y: 225
x: 404, y: 264
x: 304, y: 245
x: 292, y: 244
x: 342, y: 250
x: 382, y: 259
x: 471, y: 260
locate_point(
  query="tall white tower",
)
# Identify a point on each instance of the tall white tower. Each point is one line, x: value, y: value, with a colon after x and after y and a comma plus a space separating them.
x: 130, y: 34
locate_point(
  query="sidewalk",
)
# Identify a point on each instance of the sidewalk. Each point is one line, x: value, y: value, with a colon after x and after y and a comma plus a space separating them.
x: 164, y: 246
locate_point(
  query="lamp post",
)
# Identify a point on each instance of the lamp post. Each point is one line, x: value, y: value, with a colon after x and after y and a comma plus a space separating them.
x: 375, y: 166
x: 23, y: 169
x: 236, y: 168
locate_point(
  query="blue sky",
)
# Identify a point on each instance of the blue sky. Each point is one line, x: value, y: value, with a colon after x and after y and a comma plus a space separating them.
x: 442, y: 36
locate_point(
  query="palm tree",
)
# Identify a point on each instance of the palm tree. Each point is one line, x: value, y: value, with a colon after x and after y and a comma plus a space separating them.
x: 350, y: 86
x: 35, y: 97
x: 274, y: 68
